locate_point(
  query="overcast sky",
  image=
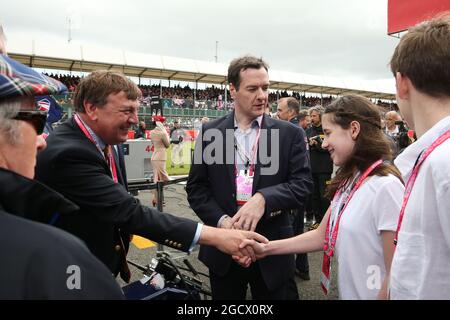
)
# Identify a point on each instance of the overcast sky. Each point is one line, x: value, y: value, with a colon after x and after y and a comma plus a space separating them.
x: 337, y: 38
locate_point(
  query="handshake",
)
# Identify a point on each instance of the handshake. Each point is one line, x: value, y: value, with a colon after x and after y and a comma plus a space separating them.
x: 236, y: 236
x: 244, y: 246
x: 251, y: 250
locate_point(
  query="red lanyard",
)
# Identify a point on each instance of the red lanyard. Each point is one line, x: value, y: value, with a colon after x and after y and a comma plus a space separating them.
x: 328, y: 246
x: 110, y: 159
x: 414, y: 174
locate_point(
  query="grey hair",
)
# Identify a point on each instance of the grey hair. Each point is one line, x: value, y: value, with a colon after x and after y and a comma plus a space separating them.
x: 2, y: 40
x: 319, y: 109
x: 10, y: 128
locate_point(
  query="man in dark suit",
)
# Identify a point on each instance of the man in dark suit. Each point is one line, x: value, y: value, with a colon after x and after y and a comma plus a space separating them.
x: 248, y: 171
x: 288, y: 110
x: 140, y: 131
x: 82, y: 164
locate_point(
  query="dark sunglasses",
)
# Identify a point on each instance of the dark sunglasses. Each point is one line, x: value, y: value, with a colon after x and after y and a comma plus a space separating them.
x: 36, y: 118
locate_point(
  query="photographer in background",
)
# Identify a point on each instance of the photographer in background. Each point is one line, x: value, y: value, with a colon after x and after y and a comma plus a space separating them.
x: 397, y: 132
x: 402, y: 139
x: 321, y: 167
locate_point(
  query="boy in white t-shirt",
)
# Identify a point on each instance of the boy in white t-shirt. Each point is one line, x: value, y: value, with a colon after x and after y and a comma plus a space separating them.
x: 421, y: 66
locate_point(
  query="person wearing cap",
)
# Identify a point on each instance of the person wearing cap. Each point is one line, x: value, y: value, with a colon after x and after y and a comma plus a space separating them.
x: 79, y: 163
x: 160, y: 140
x: 38, y: 261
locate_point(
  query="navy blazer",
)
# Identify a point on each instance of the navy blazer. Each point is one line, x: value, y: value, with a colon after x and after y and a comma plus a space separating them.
x: 72, y: 165
x: 211, y: 192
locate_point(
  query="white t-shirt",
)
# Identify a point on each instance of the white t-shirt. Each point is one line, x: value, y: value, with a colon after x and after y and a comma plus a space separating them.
x: 421, y: 265
x: 392, y: 133
x: 374, y: 207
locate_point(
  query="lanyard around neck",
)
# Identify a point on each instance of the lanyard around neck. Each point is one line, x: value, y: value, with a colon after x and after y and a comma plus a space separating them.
x: 107, y: 153
x: 413, y: 176
x: 250, y: 160
x: 329, y: 245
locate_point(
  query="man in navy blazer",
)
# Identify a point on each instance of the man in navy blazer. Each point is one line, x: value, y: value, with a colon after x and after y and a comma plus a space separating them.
x: 268, y: 154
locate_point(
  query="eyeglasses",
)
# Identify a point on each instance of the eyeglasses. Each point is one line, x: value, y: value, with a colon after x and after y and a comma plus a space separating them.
x: 36, y: 118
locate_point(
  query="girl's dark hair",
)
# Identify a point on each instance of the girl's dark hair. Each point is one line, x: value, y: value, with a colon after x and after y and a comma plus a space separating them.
x: 371, y: 143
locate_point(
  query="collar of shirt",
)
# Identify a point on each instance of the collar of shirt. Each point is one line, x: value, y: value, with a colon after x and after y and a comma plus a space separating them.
x: 406, y: 160
x: 393, y: 132
x: 294, y: 120
x: 255, y: 122
x: 98, y: 141
x: 245, y: 141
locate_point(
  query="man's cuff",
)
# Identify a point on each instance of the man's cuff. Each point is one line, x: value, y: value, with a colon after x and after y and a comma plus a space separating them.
x: 196, y: 237
x: 219, y: 224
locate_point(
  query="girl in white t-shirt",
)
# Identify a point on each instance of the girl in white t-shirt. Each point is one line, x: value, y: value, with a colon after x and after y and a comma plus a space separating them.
x: 367, y: 192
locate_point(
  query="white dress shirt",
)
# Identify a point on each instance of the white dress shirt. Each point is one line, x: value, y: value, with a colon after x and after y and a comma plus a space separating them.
x: 421, y: 264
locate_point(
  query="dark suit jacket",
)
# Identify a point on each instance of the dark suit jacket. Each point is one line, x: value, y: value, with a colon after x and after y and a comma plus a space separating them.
x: 320, y: 158
x: 72, y: 165
x: 211, y: 193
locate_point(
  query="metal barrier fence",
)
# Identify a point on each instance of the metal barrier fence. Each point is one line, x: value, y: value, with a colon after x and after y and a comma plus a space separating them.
x: 159, y: 186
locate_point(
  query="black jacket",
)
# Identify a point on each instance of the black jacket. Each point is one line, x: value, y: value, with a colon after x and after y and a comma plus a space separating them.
x: 139, y: 133
x: 72, y: 165
x: 40, y: 261
x: 320, y: 158
x: 211, y: 193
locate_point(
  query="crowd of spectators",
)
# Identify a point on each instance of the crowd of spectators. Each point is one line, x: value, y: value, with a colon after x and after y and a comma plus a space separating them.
x: 213, y: 97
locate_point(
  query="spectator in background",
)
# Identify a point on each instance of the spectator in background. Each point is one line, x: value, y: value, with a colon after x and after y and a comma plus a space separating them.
x: 391, y: 128
x: 288, y: 110
x: 160, y: 140
x: 140, y: 131
x: 267, y: 110
x: 204, y: 120
x: 397, y: 132
x: 177, y: 136
x: 303, y: 119
x: 321, y: 167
